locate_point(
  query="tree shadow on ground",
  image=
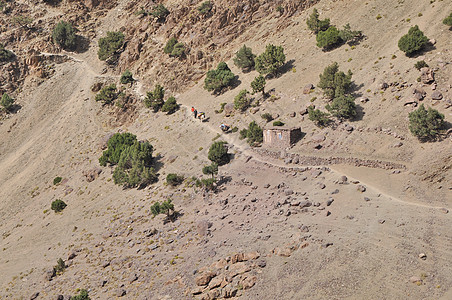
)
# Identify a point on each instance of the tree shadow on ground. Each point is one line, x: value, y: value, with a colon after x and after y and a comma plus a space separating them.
x: 288, y: 66
x: 427, y: 48
x: 82, y: 44
x: 15, y: 108
x: 173, y: 218
x: 359, y: 113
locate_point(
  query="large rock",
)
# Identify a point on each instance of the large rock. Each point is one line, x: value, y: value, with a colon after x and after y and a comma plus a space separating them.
x: 307, y: 88
x: 436, y: 95
x: 228, y: 109
x: 204, y: 278
x: 92, y: 174
x: 203, y: 227
x: 427, y: 75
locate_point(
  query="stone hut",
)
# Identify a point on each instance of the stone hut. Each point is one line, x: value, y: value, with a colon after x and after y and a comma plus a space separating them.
x: 281, y: 137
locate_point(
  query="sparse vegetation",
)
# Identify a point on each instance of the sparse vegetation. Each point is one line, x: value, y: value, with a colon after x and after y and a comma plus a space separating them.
x: 170, y: 105
x: 107, y: 94
x: 211, y: 169
x: 267, y: 117
x: 333, y: 82
x: 174, y: 179
x: 5, y: 55
x: 219, y: 79
x: 413, y: 42
x: 253, y: 134
x: 60, y: 267
x: 320, y: 118
x: 160, y: 12
x: 242, y: 101
x: 133, y: 160
x: 315, y: 24
x: 420, y: 64
x: 205, y: 8
x: 166, y: 207
x: 57, y: 180
x: 218, y: 153
x: 448, y: 20
x: 426, y: 124
x: 126, y: 77
x: 58, y: 205
x: 258, y: 84
x: 278, y: 123
x: 174, y: 48
x: 7, y: 102
x: 110, y: 44
x: 64, y: 35
x: 271, y: 60
x: 154, y: 99
x: 244, y: 58
x: 82, y: 296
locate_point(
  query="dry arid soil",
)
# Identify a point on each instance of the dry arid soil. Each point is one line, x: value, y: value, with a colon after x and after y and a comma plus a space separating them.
x: 359, y: 210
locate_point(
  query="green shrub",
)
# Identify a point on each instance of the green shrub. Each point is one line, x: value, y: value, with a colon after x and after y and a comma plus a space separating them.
x: 244, y: 58
x: 110, y: 44
x: 178, y: 50
x: 5, y: 55
x: 7, y: 102
x: 218, y: 153
x: 126, y: 77
x: 57, y: 180
x: 329, y: 38
x: 234, y: 129
x: 448, y: 20
x: 342, y: 107
x: 107, y: 94
x: 271, y: 60
x: 82, y: 296
x: 60, y: 267
x: 209, y: 184
x: 133, y: 159
x: 267, y: 117
x: 420, y: 64
x: 154, y: 99
x: 64, y: 35
x: 258, y: 84
x: 160, y: 12
x: 413, y: 42
x: 426, y: 124
x: 219, y: 79
x: 241, y: 101
x: 212, y: 169
x: 174, y: 179
x: 170, y: 105
x: 167, y: 207
x: 348, y: 35
x: 253, y: 134
x: 320, y: 118
x: 205, y: 8
x: 58, y: 205
x: 333, y: 82
x: 170, y: 45
x: 315, y: 24
x: 278, y: 123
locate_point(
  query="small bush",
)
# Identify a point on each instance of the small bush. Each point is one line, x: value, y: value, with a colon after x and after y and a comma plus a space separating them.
x: 166, y: 207
x: 82, y: 296
x: 267, y: 117
x: 271, y: 60
x: 329, y: 38
x: 426, y: 124
x: 60, y: 267
x: 278, y: 123
x: 253, y: 134
x: 126, y: 77
x: 160, y: 12
x: 212, y: 169
x: 205, y: 8
x: 343, y: 107
x: 234, y: 129
x: 57, y: 180
x: 107, y: 94
x: 110, y: 44
x: 58, y: 205
x: 241, y: 101
x: 244, y: 58
x: 170, y: 105
x: 154, y: 99
x: 178, y: 50
x: 209, y: 184
x: 170, y: 45
x: 413, y: 42
x: 219, y: 79
x: 333, y: 82
x: 5, y: 55
x: 64, y: 35
x: 258, y: 84
x: 174, y: 179
x: 320, y: 118
x: 420, y: 64
x: 315, y: 24
x: 448, y: 20
x: 7, y: 102
x: 218, y: 153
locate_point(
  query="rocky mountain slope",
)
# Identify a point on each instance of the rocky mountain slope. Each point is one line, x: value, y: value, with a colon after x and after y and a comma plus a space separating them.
x: 359, y: 210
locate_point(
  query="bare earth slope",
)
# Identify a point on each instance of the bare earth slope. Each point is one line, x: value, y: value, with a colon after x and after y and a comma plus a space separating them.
x: 306, y: 231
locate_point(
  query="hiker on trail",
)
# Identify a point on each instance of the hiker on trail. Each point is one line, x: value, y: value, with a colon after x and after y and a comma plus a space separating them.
x: 224, y: 127
x: 195, y: 113
x: 201, y: 115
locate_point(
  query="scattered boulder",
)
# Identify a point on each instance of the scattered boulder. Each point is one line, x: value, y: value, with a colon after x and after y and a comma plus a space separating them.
x: 384, y: 85
x: 436, y: 95
x: 292, y: 114
x: 427, y: 75
x: 248, y: 282
x: 304, y: 203
x: 92, y: 174
x: 204, y: 278
x: 34, y: 296
x: 361, y: 188
x: 49, y: 274
x: 203, y: 227
x: 254, y: 110
x: 228, y: 109
x: 308, y: 88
